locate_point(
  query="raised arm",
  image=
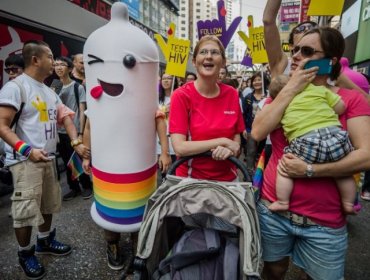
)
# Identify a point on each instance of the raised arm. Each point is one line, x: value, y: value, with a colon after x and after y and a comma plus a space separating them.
x: 278, y: 61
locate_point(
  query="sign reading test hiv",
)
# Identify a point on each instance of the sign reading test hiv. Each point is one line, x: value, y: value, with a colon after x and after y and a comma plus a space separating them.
x: 255, y: 42
x: 175, y: 51
x: 218, y: 26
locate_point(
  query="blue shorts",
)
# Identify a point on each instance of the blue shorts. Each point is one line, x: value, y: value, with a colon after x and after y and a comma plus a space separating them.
x: 320, y: 251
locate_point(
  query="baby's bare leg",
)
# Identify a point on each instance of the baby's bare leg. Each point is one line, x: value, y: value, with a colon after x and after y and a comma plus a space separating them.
x: 284, y: 187
x: 347, y: 190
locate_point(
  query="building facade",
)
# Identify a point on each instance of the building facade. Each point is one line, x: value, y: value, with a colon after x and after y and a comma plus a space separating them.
x: 191, y: 11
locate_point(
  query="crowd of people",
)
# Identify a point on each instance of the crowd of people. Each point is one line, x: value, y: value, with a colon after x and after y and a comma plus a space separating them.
x: 317, y: 124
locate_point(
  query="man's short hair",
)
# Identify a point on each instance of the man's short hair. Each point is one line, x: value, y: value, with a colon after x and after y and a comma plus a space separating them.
x: 32, y: 48
x: 66, y: 60
x: 74, y: 56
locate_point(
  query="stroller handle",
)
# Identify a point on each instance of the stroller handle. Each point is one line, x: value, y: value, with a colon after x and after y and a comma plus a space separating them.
x: 233, y: 159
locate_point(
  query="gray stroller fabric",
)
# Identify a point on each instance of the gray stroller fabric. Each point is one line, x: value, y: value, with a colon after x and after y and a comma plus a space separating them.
x: 224, y: 206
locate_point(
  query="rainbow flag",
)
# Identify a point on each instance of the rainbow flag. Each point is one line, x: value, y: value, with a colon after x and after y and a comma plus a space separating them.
x: 359, y: 180
x: 75, y: 164
x: 258, y: 175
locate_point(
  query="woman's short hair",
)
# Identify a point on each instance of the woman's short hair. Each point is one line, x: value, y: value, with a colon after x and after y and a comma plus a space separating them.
x: 207, y: 38
x: 333, y: 45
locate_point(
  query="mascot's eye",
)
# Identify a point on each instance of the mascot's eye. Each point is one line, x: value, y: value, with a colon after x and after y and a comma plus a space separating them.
x: 129, y: 61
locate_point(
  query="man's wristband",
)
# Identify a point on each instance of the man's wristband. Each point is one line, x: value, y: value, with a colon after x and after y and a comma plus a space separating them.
x: 23, y: 148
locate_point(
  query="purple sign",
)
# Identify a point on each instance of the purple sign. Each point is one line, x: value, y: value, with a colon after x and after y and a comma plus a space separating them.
x: 247, y: 61
x: 218, y: 26
x: 289, y: 12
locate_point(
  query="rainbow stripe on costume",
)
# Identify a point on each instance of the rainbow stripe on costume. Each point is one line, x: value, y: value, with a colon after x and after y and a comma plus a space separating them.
x: 121, y: 198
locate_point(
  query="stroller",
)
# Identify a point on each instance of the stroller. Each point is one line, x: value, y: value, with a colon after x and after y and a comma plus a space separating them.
x: 181, y: 204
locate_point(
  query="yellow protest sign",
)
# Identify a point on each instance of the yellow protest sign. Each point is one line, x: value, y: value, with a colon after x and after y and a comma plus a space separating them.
x: 255, y: 42
x: 325, y: 8
x: 175, y: 51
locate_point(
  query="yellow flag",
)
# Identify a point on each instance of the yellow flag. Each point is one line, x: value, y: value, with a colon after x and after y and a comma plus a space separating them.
x: 325, y: 8
x: 255, y: 42
x: 258, y: 49
x: 175, y: 51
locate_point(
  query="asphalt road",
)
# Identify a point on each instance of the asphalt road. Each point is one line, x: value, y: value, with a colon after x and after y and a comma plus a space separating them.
x: 88, y: 261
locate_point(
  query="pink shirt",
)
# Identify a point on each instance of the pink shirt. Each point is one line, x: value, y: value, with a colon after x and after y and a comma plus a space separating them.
x: 316, y: 198
x: 201, y: 118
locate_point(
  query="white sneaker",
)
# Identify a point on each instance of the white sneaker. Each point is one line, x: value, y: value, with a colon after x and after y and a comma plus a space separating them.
x: 365, y: 195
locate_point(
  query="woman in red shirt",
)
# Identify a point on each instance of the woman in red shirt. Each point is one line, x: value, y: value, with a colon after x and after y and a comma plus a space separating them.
x: 205, y: 116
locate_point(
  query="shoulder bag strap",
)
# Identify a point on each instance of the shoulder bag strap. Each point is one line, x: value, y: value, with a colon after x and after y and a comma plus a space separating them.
x: 23, y: 101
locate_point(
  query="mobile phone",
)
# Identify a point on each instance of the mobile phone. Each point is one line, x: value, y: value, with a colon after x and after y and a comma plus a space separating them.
x: 324, y: 64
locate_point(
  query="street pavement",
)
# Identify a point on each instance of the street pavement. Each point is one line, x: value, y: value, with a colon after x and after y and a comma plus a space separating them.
x: 88, y: 260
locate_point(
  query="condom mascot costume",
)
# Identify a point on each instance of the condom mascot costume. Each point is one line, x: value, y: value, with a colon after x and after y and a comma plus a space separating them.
x: 121, y: 66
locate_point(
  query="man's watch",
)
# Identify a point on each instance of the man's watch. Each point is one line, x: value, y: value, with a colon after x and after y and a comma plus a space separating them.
x: 309, y: 171
x: 76, y: 142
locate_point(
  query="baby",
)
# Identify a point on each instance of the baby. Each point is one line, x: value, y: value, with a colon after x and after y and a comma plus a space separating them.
x: 314, y: 133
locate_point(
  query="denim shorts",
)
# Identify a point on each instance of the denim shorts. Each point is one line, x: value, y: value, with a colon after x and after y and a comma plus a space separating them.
x: 320, y: 251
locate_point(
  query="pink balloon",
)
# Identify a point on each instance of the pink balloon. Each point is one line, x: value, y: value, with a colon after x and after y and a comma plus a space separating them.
x: 356, y: 77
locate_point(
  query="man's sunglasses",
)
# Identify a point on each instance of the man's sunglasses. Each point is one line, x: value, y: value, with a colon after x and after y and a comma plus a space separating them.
x: 11, y: 69
x: 306, y: 51
x: 303, y: 28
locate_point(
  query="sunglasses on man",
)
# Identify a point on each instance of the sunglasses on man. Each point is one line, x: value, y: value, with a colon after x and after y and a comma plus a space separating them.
x: 306, y: 51
x: 9, y: 70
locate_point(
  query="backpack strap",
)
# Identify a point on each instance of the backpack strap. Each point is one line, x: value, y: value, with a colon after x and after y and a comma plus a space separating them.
x: 18, y: 114
x: 23, y: 101
x: 77, y: 96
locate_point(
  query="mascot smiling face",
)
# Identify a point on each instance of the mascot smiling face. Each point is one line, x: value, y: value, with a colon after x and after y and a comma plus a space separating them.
x: 121, y: 67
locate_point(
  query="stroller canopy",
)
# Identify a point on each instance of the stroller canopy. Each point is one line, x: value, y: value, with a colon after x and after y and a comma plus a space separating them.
x: 230, y: 202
